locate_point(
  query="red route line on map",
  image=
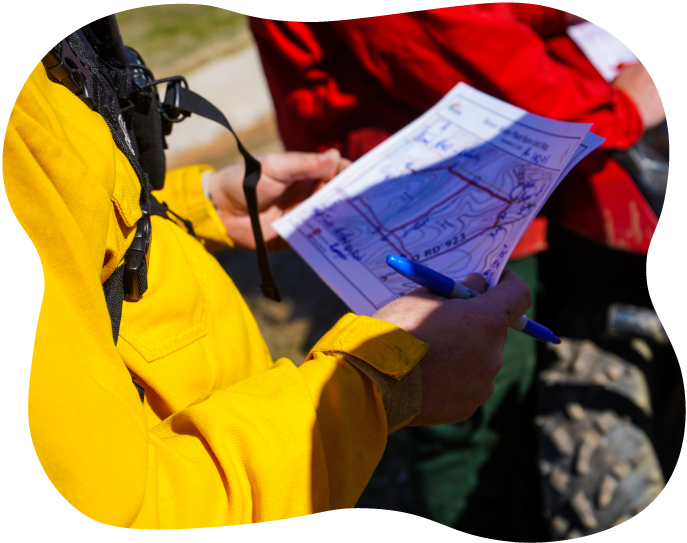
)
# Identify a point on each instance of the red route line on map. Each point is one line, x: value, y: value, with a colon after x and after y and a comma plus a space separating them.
x: 467, y: 180
x: 380, y: 228
x: 462, y: 242
x: 457, y: 174
x: 431, y: 209
x: 498, y: 217
x: 467, y: 240
x: 470, y: 183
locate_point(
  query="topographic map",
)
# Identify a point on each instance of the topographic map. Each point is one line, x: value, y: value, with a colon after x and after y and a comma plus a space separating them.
x: 454, y: 190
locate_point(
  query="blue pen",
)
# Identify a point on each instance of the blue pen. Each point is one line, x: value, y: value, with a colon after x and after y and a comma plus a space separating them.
x: 447, y: 287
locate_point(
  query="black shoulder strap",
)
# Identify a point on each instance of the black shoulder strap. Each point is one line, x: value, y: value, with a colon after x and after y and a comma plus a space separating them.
x: 114, y: 286
x: 179, y: 103
x: 114, y: 297
x: 102, y: 75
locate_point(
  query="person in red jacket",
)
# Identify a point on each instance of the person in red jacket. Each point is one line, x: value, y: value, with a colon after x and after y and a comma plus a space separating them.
x: 351, y: 84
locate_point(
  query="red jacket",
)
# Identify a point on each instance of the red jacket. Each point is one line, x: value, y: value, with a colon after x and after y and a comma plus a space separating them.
x: 351, y: 84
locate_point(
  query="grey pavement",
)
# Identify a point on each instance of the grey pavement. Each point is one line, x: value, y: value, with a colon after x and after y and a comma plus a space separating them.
x: 237, y: 86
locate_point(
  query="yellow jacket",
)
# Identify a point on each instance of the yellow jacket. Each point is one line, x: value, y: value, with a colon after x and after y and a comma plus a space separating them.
x: 224, y: 435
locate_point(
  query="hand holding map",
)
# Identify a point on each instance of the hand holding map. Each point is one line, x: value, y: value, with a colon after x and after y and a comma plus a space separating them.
x: 454, y: 190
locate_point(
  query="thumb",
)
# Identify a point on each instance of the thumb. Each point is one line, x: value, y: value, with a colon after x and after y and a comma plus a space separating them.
x: 476, y: 282
x: 295, y: 166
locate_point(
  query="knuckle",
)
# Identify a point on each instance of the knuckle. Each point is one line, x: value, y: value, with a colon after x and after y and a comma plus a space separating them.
x: 469, y: 412
x: 497, y: 364
x: 485, y: 392
x: 524, y: 290
x: 489, y: 391
x: 491, y: 368
x: 528, y: 295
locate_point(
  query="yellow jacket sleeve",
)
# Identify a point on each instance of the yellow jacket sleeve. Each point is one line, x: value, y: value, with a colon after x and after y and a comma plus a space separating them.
x: 184, y: 195
x: 224, y: 435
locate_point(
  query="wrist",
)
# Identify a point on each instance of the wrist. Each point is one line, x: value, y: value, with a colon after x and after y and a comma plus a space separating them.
x: 225, y: 189
x: 205, y: 185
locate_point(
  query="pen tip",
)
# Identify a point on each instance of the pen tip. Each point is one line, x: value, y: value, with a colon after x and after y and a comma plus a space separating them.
x: 556, y: 340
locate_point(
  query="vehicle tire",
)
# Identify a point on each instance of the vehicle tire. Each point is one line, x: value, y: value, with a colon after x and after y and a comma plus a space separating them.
x: 596, y: 459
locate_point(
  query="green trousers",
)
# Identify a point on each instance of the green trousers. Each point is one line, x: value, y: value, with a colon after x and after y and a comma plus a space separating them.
x: 441, y: 466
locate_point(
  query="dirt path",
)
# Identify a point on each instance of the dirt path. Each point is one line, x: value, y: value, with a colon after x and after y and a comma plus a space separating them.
x: 235, y: 84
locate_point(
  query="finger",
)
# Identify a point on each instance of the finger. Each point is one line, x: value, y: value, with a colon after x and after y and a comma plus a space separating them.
x: 342, y: 165
x: 294, y: 166
x: 475, y: 282
x: 508, y: 300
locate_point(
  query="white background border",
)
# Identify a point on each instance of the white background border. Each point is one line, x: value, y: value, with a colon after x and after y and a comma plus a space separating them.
x: 31, y: 508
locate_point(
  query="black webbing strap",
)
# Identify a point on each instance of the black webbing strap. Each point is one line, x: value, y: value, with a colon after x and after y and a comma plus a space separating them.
x: 181, y: 100
x: 114, y: 287
x: 162, y: 209
x: 114, y: 297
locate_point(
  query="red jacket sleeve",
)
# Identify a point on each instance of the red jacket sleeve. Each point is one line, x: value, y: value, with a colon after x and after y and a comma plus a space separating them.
x: 543, y: 20
x: 418, y: 57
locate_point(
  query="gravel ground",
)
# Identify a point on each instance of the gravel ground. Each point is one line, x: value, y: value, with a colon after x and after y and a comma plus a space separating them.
x: 307, y: 310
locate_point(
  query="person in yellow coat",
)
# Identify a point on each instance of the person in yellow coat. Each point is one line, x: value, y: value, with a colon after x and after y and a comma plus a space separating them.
x: 222, y: 434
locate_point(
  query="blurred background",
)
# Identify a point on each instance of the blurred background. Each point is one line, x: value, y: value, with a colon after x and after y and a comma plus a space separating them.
x: 214, y: 49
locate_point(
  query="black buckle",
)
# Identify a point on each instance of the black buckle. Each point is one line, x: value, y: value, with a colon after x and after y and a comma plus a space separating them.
x: 171, y: 111
x: 140, y: 73
x: 136, y: 257
x: 63, y: 65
